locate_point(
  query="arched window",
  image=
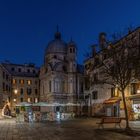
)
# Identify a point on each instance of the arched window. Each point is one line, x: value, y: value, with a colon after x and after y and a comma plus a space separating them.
x: 70, y: 50
x: 73, y: 50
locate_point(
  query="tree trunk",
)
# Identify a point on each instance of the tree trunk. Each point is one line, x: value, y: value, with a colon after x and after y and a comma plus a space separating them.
x: 125, y: 109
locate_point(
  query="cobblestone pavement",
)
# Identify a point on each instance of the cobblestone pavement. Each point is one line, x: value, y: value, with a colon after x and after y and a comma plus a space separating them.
x: 79, y: 129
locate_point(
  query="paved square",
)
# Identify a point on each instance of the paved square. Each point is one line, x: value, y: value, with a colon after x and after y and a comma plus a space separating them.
x: 79, y: 129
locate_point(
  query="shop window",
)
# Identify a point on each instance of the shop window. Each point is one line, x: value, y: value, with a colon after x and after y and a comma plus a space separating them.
x: 94, y: 95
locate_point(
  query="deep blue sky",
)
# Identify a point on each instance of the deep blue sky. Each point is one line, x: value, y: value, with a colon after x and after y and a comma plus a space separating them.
x: 26, y: 26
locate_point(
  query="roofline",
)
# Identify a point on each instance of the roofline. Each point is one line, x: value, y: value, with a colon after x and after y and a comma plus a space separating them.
x: 138, y: 28
x: 23, y: 65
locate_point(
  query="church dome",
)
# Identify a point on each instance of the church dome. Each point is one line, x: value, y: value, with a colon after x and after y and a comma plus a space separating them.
x: 57, y: 45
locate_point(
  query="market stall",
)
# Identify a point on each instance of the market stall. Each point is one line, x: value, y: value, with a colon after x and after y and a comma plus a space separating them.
x: 22, y: 111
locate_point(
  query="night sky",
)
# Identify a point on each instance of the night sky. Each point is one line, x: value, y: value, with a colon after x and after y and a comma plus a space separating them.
x: 26, y: 26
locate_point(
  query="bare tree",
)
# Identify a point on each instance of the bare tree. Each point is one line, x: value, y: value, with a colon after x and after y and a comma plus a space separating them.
x: 120, y: 67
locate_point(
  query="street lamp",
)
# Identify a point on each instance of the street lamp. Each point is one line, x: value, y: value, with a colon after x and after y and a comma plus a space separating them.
x: 15, y: 91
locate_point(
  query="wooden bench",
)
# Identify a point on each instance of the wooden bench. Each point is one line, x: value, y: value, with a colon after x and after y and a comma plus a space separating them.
x: 110, y: 120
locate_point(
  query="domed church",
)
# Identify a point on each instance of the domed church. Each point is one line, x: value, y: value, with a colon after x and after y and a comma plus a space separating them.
x: 61, y: 78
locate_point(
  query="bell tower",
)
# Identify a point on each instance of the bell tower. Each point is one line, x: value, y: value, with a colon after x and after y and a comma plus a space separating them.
x: 71, y: 53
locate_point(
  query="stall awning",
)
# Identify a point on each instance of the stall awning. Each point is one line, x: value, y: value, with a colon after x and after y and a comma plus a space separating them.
x: 112, y: 101
x: 24, y: 104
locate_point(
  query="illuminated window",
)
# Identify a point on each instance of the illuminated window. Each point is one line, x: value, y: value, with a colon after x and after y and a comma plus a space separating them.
x: 29, y: 82
x: 29, y: 100
x: 36, y: 100
x: 21, y: 81
x: 14, y: 81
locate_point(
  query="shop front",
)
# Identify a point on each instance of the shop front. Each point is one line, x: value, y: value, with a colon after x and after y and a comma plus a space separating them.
x: 136, y: 109
x: 112, y: 107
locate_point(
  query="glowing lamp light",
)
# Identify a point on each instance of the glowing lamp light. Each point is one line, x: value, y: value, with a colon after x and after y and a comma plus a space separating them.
x: 14, y: 100
x: 15, y: 91
x: 138, y: 91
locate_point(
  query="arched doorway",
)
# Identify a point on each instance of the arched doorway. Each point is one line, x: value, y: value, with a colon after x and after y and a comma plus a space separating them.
x: 6, y: 111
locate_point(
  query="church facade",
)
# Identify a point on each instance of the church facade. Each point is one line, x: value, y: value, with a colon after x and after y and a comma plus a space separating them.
x: 61, y: 78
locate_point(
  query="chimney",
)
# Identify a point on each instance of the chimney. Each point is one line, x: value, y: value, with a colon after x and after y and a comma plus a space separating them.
x: 102, y: 40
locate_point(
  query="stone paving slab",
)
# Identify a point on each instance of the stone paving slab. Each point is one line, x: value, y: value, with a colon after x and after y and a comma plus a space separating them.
x: 82, y: 129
